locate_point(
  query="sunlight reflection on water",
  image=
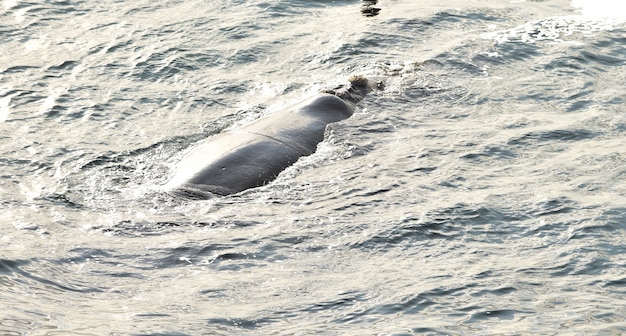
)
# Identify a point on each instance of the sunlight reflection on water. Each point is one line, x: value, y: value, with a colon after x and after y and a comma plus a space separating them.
x: 601, y: 9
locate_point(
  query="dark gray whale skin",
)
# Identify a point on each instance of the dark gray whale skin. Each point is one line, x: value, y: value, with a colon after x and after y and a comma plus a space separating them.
x: 255, y: 154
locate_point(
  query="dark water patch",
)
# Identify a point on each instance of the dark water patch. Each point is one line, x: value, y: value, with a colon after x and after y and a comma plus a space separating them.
x: 213, y: 294
x: 18, y: 69
x: 500, y: 314
x: 430, y: 87
x: 553, y: 206
x: 103, y: 25
x: 497, y: 292
x: 421, y: 169
x: 466, y: 214
x: 87, y: 254
x: 618, y: 285
x: 61, y: 199
x: 93, y: 112
x: 18, y: 269
x: 614, y: 39
x: 426, y: 331
x: 124, y: 275
x: 423, y: 92
x: 447, y: 223
x: 241, y: 30
x: 616, y: 45
x: 163, y: 65
x: 586, y: 90
x: 172, y: 333
x: 517, y: 50
x: 142, y: 9
x: 573, y: 65
x: 120, y: 45
x: 541, y: 92
x: 580, y: 61
x: 208, y: 58
x: 284, y: 240
x: 28, y: 100
x: 489, y: 153
x: 556, y: 269
x: 97, y: 48
x: 610, y: 223
x: 233, y: 256
x: 131, y: 228
x: 358, y: 205
x: 7, y: 265
x: 585, y: 63
x: 553, y: 136
x: 56, y: 111
x: 152, y: 315
x: 598, y: 230
x: 117, y: 68
x: 596, y: 266
x: 184, y: 27
x: 549, y: 229
x: 489, y: 58
x: 452, y: 181
x: 103, y: 159
x: 444, y: 20
x: 347, y: 300
x: 28, y: 167
x: 416, y: 303
x: 363, y: 192
x: 11, y: 162
x: 596, y: 59
x: 617, y: 101
x: 414, y: 25
x: 241, y: 323
x: 231, y: 88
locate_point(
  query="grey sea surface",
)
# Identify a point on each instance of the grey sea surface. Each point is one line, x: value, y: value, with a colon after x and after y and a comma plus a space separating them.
x: 481, y: 193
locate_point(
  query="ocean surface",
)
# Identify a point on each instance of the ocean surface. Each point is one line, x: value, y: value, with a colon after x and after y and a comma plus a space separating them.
x: 482, y: 192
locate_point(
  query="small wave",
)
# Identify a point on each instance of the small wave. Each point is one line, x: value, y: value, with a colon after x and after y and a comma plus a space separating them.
x: 553, y: 135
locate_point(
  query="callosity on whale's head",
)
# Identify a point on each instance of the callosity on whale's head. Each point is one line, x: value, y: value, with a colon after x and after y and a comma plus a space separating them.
x: 359, y: 87
x: 362, y: 85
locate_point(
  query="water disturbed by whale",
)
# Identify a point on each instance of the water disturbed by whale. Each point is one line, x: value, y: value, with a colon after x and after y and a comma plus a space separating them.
x: 255, y: 154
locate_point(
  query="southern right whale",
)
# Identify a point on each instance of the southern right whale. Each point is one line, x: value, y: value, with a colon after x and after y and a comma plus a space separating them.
x: 255, y: 154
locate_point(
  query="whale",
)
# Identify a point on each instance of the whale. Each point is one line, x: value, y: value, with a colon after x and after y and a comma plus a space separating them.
x: 254, y: 155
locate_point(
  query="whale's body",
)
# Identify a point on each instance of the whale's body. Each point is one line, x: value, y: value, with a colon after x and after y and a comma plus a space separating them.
x: 255, y: 154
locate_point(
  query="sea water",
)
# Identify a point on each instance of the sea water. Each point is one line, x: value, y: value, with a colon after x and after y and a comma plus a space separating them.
x: 481, y: 193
